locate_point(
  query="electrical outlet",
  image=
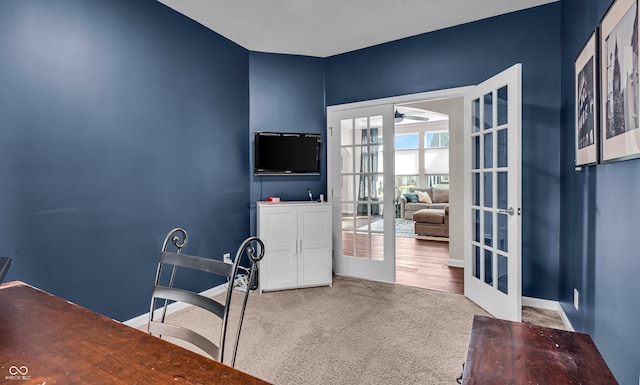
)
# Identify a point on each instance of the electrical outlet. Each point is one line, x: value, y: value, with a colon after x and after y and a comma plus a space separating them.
x: 227, y: 258
x: 576, y: 298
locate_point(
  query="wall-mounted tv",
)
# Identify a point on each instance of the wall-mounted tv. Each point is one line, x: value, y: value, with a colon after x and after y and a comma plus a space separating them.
x: 284, y: 153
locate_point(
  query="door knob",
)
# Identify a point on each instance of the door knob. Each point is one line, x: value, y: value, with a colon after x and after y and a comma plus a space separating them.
x: 510, y: 211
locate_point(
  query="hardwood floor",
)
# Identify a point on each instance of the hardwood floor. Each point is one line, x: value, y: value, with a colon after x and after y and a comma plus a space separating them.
x: 424, y: 263
x: 419, y: 263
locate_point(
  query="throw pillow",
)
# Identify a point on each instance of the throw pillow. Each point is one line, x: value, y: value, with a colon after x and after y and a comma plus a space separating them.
x: 424, y: 197
x: 411, y: 197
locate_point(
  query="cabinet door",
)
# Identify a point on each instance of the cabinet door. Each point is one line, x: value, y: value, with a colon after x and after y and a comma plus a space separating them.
x: 278, y: 230
x: 314, y: 233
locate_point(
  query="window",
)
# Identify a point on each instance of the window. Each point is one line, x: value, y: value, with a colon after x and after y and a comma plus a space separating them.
x: 437, y: 180
x: 407, y: 141
x: 406, y: 183
x: 431, y: 169
x: 437, y: 139
x: 436, y: 159
x: 407, y: 160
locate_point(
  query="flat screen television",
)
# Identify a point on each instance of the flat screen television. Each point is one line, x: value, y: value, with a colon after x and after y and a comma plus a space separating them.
x: 283, y: 153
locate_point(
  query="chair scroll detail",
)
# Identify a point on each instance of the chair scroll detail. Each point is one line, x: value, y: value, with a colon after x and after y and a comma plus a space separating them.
x: 252, y: 247
x: 254, y: 254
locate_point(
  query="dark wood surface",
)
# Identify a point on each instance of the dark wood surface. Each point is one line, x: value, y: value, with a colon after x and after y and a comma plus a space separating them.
x: 59, y: 342
x: 505, y: 352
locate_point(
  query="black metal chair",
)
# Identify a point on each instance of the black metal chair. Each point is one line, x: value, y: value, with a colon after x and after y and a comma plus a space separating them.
x: 252, y: 247
x: 5, y: 264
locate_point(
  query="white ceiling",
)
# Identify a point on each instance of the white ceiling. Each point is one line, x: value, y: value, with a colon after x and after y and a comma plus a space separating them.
x: 328, y: 27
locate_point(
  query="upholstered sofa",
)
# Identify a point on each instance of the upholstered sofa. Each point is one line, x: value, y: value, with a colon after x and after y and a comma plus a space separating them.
x: 409, y: 202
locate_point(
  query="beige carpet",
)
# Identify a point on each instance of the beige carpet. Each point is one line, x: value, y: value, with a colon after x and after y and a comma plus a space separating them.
x: 356, y: 332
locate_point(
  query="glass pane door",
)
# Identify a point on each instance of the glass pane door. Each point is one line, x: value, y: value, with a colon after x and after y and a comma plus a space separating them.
x: 362, y: 177
x: 362, y: 186
x: 492, y: 238
x: 489, y: 178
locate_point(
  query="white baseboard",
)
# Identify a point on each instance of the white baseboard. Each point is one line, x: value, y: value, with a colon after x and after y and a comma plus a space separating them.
x: 455, y: 263
x: 538, y: 303
x: 548, y: 305
x: 565, y: 319
x: 142, y: 319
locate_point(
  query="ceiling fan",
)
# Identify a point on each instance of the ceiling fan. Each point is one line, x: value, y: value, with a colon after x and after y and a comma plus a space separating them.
x: 399, y: 117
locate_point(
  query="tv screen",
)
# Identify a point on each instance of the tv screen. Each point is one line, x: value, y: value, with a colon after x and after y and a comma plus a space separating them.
x: 287, y: 153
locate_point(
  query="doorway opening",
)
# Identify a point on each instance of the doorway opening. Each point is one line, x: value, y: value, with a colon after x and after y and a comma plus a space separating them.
x: 362, y: 184
x: 422, y: 179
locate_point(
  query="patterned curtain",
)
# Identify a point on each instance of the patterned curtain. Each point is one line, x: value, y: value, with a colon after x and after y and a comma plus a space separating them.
x: 367, y: 190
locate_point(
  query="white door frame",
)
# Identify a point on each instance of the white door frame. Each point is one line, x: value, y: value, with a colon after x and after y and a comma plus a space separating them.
x: 409, y: 98
x: 458, y: 260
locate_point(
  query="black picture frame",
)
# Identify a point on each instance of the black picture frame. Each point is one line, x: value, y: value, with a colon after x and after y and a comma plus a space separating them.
x: 587, y: 103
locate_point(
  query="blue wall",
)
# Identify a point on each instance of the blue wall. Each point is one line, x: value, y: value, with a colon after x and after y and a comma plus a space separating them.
x: 600, y: 221
x: 118, y: 121
x: 467, y: 55
x: 287, y: 95
x: 122, y: 119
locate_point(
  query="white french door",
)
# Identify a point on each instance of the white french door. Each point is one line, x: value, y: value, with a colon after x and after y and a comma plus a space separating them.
x: 493, y: 113
x: 361, y: 187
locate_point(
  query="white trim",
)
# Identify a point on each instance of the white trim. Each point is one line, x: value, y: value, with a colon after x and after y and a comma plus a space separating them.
x: 142, y: 319
x: 431, y: 95
x: 537, y: 303
x: 455, y: 263
x: 565, y: 319
x: 547, y: 304
x: 540, y: 303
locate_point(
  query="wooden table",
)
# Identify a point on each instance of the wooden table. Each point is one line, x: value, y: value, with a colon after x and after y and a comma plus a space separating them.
x: 47, y: 340
x: 505, y: 352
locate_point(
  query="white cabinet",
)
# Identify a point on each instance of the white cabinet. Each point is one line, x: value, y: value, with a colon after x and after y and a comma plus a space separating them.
x: 297, y: 240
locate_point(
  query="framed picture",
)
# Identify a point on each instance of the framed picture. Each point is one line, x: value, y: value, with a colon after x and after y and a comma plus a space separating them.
x: 586, y: 103
x: 619, y: 91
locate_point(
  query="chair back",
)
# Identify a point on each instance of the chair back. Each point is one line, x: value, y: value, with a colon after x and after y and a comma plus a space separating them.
x: 5, y: 263
x: 164, y: 291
